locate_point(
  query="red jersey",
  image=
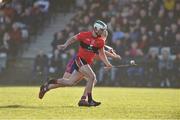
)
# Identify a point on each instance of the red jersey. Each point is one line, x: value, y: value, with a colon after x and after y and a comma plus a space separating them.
x: 89, y: 45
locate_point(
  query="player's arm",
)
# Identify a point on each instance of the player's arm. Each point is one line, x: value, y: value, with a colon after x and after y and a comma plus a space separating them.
x: 105, y: 34
x: 103, y: 57
x: 67, y: 43
x: 109, y: 51
x: 115, y: 56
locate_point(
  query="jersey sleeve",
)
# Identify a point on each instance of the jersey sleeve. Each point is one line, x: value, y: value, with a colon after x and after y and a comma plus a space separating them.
x: 80, y: 36
x: 101, y: 44
x: 108, y: 48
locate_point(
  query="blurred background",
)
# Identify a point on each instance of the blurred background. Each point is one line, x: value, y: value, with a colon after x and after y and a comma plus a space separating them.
x: 147, y: 31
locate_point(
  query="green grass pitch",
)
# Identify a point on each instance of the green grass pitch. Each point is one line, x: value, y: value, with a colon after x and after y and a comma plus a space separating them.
x: 117, y: 103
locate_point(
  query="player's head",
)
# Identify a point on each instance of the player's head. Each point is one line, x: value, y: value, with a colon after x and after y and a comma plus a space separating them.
x: 99, y: 27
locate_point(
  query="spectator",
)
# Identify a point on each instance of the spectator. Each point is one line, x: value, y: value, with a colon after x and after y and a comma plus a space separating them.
x: 133, y: 34
x: 104, y: 75
x: 134, y: 27
x: 169, y: 35
x: 144, y: 17
x: 134, y: 51
x: 3, y: 61
x: 41, y: 65
x: 157, y: 37
x: 43, y: 5
x: 151, y: 66
x: 117, y: 35
x: 5, y: 43
x: 169, y: 4
x: 165, y: 65
x: 58, y: 39
x: 144, y: 43
x: 55, y: 63
x: 176, y: 44
x: 120, y: 47
x: 16, y: 40
x: 177, y: 70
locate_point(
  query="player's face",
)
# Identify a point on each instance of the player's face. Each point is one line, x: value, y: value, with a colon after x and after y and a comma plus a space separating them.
x: 99, y: 32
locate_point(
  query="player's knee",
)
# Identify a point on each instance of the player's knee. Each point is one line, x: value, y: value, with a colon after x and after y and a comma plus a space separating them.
x: 95, y: 81
x: 53, y: 81
x: 93, y: 77
x: 71, y: 83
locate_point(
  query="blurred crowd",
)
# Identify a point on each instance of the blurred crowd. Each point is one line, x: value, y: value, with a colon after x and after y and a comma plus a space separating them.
x: 19, y: 20
x: 147, y: 31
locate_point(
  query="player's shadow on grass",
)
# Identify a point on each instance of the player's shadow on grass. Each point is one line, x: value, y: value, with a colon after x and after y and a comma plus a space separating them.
x: 17, y: 106
x: 68, y: 106
x: 32, y: 107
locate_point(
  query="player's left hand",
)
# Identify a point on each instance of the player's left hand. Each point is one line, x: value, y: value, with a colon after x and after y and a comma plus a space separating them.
x: 108, y: 67
x: 61, y: 47
x: 118, y: 57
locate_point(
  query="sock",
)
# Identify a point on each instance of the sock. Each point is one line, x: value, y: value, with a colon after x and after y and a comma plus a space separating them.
x: 53, y: 81
x: 89, y: 97
x: 46, y: 88
x: 83, y: 97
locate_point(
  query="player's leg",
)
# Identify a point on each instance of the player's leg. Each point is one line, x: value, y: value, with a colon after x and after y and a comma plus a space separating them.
x: 85, y: 90
x: 78, y: 63
x: 67, y: 75
x: 83, y: 101
x: 55, y: 83
x: 68, y: 72
x: 67, y: 82
x: 83, y: 98
x: 90, y: 75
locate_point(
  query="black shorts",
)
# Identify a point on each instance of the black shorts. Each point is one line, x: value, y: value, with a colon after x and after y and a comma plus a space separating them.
x: 78, y: 63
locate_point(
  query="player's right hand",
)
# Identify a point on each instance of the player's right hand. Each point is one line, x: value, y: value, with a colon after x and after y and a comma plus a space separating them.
x: 118, y: 56
x: 61, y: 47
x: 108, y: 67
